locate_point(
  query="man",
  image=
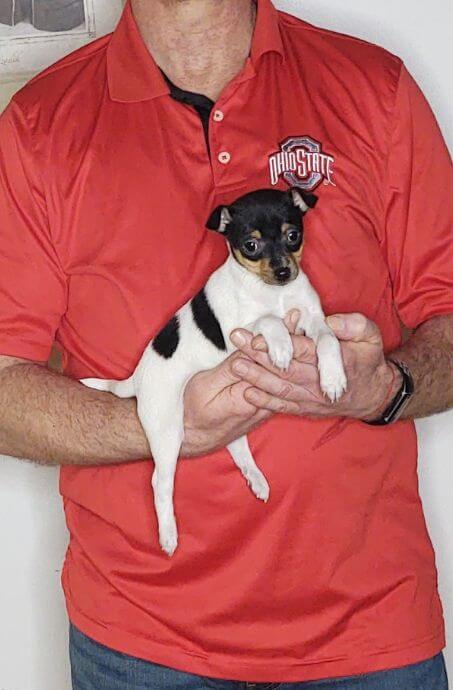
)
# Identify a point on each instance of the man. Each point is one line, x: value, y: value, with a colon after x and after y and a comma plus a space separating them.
x: 110, y: 164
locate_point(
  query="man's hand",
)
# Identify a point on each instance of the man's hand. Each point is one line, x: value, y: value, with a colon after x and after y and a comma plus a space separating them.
x: 372, y: 381
x: 216, y: 410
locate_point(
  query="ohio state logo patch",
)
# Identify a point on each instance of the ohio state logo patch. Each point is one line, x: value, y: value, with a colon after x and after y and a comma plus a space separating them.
x: 302, y: 163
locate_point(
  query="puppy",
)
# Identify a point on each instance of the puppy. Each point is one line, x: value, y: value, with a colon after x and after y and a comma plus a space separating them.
x: 256, y: 286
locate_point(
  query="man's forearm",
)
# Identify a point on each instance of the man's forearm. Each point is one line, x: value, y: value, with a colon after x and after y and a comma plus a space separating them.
x: 429, y: 354
x: 51, y: 419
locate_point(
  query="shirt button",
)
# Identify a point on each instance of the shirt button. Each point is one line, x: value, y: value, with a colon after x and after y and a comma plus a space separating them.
x: 224, y: 157
x: 218, y: 116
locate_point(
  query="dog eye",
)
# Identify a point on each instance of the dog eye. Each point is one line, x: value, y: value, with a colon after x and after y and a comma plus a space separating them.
x: 251, y: 247
x: 293, y: 236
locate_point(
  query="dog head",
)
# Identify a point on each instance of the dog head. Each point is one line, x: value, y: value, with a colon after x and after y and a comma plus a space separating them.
x: 265, y: 231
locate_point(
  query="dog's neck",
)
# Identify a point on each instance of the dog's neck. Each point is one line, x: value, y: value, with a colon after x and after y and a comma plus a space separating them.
x: 239, y: 297
x: 248, y: 284
x: 199, y: 44
x: 244, y: 281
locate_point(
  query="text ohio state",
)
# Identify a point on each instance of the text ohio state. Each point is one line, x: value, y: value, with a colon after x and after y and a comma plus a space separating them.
x: 302, y: 163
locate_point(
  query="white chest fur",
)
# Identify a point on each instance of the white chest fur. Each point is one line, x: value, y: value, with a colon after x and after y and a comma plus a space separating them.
x: 239, y: 298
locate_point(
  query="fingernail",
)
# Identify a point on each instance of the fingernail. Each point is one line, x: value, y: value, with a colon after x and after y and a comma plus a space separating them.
x: 240, y: 367
x: 252, y: 396
x: 336, y: 322
x: 258, y: 344
x: 237, y: 338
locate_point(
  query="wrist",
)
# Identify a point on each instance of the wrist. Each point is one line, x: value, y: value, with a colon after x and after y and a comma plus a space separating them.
x: 192, y: 445
x: 196, y: 441
x: 138, y: 448
x: 388, y: 382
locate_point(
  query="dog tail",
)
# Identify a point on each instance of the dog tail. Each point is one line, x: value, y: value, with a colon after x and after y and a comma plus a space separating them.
x: 122, y: 389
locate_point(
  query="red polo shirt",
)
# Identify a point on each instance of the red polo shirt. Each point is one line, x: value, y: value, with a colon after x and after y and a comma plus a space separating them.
x: 106, y: 183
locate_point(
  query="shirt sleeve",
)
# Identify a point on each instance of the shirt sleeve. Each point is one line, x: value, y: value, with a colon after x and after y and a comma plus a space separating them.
x: 419, y: 212
x: 33, y: 289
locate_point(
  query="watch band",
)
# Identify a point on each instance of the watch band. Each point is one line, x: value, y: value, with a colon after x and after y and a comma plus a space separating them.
x: 399, y: 403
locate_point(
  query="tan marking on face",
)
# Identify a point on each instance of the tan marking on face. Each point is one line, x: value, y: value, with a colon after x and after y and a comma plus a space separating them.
x: 266, y: 272
x: 260, y: 268
x: 252, y: 266
x: 256, y: 234
x: 295, y: 263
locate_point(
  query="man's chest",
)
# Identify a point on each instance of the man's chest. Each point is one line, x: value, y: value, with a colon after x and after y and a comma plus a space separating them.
x: 130, y: 210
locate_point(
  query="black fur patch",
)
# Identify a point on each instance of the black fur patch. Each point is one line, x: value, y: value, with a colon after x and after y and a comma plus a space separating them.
x: 207, y: 321
x: 166, y: 342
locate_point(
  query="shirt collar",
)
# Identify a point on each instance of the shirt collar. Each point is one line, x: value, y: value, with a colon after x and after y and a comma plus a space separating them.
x: 134, y: 76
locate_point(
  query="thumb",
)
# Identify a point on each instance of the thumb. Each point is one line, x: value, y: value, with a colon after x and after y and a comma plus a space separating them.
x: 224, y: 374
x: 355, y: 327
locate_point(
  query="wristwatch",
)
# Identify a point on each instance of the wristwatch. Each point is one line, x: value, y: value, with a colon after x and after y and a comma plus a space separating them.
x: 401, y: 400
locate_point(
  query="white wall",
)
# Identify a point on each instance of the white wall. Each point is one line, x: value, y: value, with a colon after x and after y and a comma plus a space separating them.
x: 33, y: 628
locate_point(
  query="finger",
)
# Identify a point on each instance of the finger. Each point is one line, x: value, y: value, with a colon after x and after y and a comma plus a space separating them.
x: 260, y: 416
x: 233, y: 400
x: 223, y: 375
x: 250, y: 345
x: 355, y: 328
x: 237, y: 404
x: 258, y: 343
x: 312, y: 407
x: 304, y: 350
x: 265, y: 380
x: 247, y: 342
x: 269, y: 403
x: 253, y: 347
x: 291, y: 320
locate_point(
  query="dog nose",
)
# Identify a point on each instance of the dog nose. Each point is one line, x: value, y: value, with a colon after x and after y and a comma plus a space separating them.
x: 283, y: 274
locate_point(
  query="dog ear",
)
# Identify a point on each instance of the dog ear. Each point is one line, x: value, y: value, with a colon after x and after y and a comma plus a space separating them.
x: 219, y: 219
x: 302, y: 200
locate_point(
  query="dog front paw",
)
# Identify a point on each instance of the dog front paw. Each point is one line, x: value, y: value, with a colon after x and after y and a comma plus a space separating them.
x: 332, y: 376
x: 333, y: 381
x: 281, y: 350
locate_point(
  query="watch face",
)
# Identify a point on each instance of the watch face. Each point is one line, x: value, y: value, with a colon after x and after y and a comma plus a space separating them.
x: 401, y: 399
x: 404, y: 395
x: 408, y: 381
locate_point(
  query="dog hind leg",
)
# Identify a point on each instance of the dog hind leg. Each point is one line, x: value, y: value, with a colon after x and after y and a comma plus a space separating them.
x: 244, y: 460
x: 163, y: 424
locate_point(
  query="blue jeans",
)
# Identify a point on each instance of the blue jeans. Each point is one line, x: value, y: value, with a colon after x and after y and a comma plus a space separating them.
x: 95, y: 667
